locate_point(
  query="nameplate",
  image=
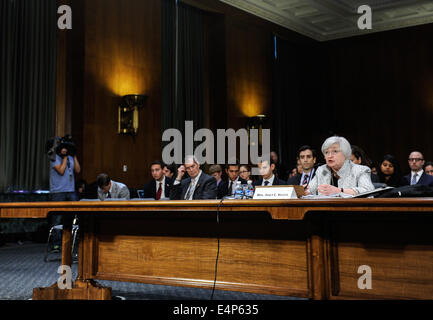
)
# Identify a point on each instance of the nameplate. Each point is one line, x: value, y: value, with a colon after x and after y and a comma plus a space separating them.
x: 278, y: 192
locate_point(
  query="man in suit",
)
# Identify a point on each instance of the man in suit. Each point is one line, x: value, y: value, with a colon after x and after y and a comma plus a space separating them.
x: 228, y: 187
x: 216, y: 171
x: 197, y: 186
x: 417, y: 174
x: 280, y: 169
x: 307, y: 158
x: 159, y: 187
x: 108, y: 188
x: 268, y: 177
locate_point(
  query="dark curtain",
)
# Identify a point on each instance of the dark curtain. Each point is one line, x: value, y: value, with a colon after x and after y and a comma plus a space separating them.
x: 183, y: 66
x: 27, y: 91
x: 301, y: 113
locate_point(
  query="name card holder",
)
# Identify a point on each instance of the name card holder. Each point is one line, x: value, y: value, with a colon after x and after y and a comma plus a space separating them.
x: 278, y: 192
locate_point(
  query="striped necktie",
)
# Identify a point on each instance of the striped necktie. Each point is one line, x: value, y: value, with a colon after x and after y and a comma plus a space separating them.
x: 414, y: 179
x: 190, y: 190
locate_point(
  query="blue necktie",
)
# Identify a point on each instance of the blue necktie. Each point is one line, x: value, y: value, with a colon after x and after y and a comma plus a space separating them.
x: 414, y: 179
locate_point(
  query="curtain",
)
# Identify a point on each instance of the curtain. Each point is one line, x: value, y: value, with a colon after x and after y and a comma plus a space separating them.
x: 183, y: 66
x: 301, y: 113
x: 27, y: 91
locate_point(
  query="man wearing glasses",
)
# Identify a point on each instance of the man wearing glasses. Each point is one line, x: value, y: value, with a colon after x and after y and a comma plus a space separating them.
x: 198, y: 186
x: 417, y: 174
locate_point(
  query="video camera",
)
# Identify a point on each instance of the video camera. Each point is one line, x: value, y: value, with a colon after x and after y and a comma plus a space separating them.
x: 55, y: 145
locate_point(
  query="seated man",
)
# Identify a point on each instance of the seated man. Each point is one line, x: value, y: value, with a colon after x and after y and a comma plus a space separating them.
x: 307, y: 158
x: 428, y: 168
x: 160, y: 186
x: 417, y: 174
x: 267, y: 175
x: 228, y: 187
x: 108, y: 188
x: 198, y: 186
x: 169, y: 170
x: 216, y: 171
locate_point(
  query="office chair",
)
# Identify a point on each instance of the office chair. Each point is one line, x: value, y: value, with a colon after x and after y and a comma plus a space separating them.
x: 59, y: 228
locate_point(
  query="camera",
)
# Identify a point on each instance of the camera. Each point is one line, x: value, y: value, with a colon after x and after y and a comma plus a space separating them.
x: 55, y: 145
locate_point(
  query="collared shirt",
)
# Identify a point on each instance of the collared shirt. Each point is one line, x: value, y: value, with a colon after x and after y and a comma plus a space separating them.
x: 191, y: 185
x: 231, y: 192
x: 271, y: 181
x: 310, y: 174
x: 162, y: 182
x: 419, y: 174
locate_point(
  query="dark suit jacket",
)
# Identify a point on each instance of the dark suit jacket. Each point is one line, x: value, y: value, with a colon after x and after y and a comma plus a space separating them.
x: 296, y: 180
x: 223, y: 188
x: 205, y: 188
x: 425, y: 180
x: 150, y: 188
x: 277, y: 182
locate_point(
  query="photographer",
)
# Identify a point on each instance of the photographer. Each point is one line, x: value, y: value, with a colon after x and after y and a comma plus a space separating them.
x: 64, y: 164
x: 62, y: 169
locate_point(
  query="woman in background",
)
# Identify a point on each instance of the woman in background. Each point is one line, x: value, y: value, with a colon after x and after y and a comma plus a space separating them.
x: 389, y: 171
x: 245, y: 172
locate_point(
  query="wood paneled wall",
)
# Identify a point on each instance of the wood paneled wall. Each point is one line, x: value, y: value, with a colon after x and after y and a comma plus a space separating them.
x: 122, y: 56
x: 381, y: 88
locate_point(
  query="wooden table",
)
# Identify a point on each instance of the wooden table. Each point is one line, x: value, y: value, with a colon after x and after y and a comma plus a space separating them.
x: 304, y: 248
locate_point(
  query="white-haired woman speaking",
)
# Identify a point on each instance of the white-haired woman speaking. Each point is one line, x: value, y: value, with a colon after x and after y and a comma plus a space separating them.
x: 339, y: 174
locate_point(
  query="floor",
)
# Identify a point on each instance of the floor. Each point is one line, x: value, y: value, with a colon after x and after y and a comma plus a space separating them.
x: 22, y: 268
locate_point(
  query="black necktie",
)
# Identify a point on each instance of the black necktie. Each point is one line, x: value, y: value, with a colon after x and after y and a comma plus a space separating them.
x: 230, y: 188
x: 305, y: 179
x: 266, y: 182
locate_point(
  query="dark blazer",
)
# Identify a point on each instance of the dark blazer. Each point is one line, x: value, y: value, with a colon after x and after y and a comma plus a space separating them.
x: 150, y: 188
x: 425, y: 180
x: 205, y: 188
x: 296, y: 180
x: 223, y: 187
x: 277, y: 182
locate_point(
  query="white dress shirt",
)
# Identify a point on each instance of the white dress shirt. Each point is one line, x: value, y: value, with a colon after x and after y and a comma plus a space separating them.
x: 310, y: 174
x: 419, y: 174
x: 232, y: 191
x: 271, y: 181
x: 191, y: 186
x: 162, y: 186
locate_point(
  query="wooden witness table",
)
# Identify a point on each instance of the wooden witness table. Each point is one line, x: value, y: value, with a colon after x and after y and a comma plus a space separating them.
x: 303, y: 248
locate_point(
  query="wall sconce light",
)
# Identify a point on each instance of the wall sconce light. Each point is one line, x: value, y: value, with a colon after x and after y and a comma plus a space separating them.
x: 128, y: 113
x: 256, y: 122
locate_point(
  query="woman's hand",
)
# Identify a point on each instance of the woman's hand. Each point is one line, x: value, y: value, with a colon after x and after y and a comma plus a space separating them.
x: 327, y: 189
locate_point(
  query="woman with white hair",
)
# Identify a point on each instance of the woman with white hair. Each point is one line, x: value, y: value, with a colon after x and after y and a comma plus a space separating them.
x: 339, y: 174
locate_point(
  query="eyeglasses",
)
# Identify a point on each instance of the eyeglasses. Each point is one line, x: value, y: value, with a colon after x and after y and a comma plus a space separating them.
x: 331, y: 152
x: 415, y: 159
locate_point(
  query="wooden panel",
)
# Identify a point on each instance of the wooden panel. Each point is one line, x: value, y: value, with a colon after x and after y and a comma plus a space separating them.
x: 399, y: 253
x: 264, y: 257
x: 378, y: 84
x: 122, y: 56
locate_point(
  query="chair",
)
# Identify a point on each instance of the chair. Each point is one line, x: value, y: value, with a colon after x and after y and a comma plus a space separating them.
x: 59, y: 228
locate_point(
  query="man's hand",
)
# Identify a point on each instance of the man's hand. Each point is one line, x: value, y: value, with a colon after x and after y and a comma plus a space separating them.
x: 180, y: 172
